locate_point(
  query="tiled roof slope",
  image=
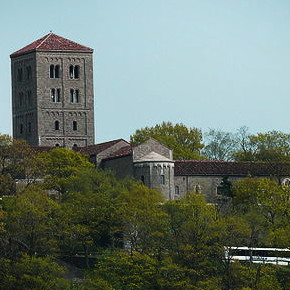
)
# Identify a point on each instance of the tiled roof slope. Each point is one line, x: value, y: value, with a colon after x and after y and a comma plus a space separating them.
x: 52, y: 42
x: 222, y: 168
x: 124, y: 151
x: 98, y: 148
x: 39, y: 149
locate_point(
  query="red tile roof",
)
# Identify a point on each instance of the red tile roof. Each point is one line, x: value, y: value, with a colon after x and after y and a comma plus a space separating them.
x: 50, y: 42
x: 122, y: 152
x: 98, y: 148
x: 189, y: 167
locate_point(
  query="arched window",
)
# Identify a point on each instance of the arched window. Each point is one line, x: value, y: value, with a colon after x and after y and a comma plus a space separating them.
x: 71, y: 71
x: 74, y: 72
x: 162, y: 179
x: 55, y: 95
x: 28, y: 72
x: 19, y: 75
x: 51, y: 71
x: 143, y: 179
x: 56, y: 125
x: 56, y: 145
x: 29, y: 100
x: 52, y: 93
x: 21, y: 99
x: 54, y: 71
x: 74, y: 96
x: 75, y: 125
x: 176, y: 190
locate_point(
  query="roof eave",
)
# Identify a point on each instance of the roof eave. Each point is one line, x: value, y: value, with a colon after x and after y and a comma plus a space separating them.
x: 16, y: 54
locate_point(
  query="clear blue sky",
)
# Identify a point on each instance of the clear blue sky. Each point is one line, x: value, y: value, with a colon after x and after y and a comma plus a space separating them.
x: 208, y: 63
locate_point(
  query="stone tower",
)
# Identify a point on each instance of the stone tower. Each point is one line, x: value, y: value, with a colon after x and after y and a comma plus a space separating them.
x: 52, y: 93
x: 154, y: 166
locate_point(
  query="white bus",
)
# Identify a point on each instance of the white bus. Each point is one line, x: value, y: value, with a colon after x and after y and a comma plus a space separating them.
x: 258, y: 255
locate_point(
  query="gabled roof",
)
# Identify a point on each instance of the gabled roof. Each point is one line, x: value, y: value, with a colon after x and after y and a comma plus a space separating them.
x: 223, y: 168
x: 98, y: 148
x: 52, y: 42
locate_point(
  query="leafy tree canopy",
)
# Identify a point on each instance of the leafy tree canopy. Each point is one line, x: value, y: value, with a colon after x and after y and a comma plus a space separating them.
x: 185, y: 142
x: 220, y: 145
x: 273, y: 146
x: 62, y: 164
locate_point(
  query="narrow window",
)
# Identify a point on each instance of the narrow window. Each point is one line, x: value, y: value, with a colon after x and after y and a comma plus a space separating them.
x: 143, y: 179
x: 71, y: 71
x: 28, y: 72
x: 21, y: 128
x: 75, y: 125
x: 58, y: 95
x: 76, y: 96
x: 76, y: 72
x: 52, y: 93
x: 21, y: 99
x: 55, y: 95
x: 51, y: 71
x: 56, y: 125
x: 162, y: 179
x: 72, y: 95
x: 177, y: 190
x: 29, y: 127
x: 19, y: 74
x: 57, y: 71
x: 54, y: 71
x: 29, y: 97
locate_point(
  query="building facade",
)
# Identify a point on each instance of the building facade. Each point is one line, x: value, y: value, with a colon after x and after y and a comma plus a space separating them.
x: 52, y: 93
x: 53, y: 105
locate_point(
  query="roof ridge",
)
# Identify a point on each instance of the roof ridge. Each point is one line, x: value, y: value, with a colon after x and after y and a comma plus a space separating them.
x: 45, y: 38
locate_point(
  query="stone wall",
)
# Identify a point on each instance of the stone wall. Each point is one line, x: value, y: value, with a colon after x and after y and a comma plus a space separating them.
x: 206, y: 185
x: 122, y: 166
x: 157, y: 175
x: 24, y: 100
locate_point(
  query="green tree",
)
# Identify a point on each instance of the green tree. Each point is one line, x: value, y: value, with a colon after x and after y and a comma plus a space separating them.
x: 32, y: 273
x: 267, y: 203
x: 61, y: 164
x: 194, y: 240
x: 17, y: 161
x: 273, y: 146
x: 121, y: 270
x: 89, y: 213
x: 31, y: 221
x: 219, y: 145
x: 185, y: 142
x: 143, y: 221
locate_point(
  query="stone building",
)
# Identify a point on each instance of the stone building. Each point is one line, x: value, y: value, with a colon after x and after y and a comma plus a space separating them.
x: 53, y: 105
x: 152, y: 163
x: 52, y: 93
